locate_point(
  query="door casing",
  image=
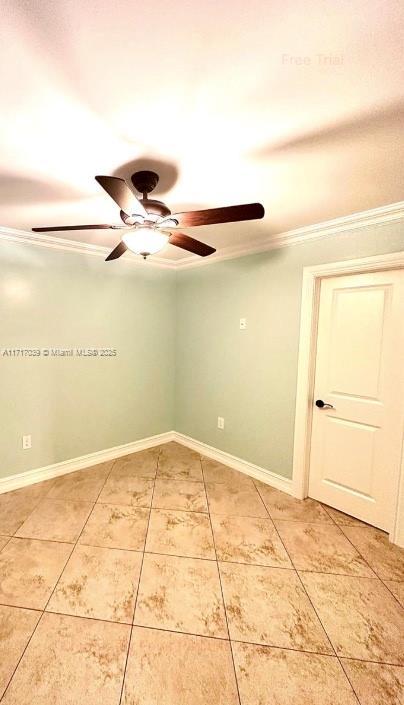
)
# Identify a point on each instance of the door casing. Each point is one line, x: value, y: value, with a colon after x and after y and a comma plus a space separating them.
x: 312, y: 277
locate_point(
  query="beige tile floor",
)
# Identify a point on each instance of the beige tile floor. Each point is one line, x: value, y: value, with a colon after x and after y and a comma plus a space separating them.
x: 164, y: 577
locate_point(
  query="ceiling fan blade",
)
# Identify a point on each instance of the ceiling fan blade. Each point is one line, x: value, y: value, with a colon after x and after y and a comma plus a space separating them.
x: 119, y: 250
x: 211, y: 216
x: 100, y: 226
x: 188, y: 243
x: 122, y: 195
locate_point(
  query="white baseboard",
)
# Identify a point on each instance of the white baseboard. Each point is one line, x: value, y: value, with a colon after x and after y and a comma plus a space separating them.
x: 30, y: 477
x: 266, y: 476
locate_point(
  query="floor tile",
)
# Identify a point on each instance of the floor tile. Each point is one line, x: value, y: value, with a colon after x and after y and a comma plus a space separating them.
x: 180, y: 494
x: 37, y: 489
x: 81, y: 485
x: 175, y: 448
x: 3, y: 541
x: 136, y: 491
x: 181, y: 594
x: 116, y: 526
x: 56, y: 520
x: 180, y: 534
x: 268, y: 676
x: 176, y: 465
x: 16, y: 627
x: 248, y: 540
x: 282, y: 506
x: 219, y: 473
x: 386, y: 559
x: 234, y: 500
x: 71, y: 660
x: 141, y: 464
x: 359, y: 615
x: 376, y: 684
x: 15, y: 507
x: 343, y: 519
x: 321, y: 548
x: 178, y: 669
x: 397, y: 589
x: 269, y: 606
x: 29, y: 571
x: 100, y: 583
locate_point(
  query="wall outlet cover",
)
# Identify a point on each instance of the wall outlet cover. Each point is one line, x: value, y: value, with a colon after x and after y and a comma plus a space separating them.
x: 26, y: 442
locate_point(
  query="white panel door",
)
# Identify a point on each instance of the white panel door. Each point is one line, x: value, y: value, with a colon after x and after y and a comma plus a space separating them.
x: 356, y: 445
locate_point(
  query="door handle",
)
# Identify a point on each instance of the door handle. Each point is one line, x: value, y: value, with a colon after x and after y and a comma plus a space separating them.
x: 322, y: 404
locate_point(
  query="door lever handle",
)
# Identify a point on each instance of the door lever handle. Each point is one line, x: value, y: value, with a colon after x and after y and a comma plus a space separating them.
x: 322, y: 404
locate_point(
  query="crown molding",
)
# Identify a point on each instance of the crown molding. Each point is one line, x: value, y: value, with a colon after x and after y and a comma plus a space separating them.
x: 363, y: 219
x: 84, y: 248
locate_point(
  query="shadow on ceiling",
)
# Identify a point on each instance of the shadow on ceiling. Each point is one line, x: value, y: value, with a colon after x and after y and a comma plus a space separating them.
x: 167, y: 171
x: 365, y: 127
x: 16, y: 189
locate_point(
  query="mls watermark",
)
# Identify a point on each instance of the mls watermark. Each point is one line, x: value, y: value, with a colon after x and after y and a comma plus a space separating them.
x: 58, y: 352
x: 324, y: 60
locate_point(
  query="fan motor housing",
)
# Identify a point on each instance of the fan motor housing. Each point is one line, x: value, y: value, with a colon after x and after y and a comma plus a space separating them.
x: 145, y: 181
x: 155, y: 207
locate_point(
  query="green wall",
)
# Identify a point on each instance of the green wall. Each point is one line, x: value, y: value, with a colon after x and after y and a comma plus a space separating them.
x: 182, y: 360
x: 74, y: 406
x: 249, y: 377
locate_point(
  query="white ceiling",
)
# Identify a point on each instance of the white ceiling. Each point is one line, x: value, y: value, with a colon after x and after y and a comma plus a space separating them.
x: 298, y: 104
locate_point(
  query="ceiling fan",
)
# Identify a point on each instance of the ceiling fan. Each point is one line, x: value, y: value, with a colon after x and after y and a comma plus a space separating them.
x: 148, y: 223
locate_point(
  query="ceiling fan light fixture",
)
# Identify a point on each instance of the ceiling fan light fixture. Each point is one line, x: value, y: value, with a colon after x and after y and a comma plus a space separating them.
x: 145, y: 241
x: 148, y: 222
x: 168, y: 223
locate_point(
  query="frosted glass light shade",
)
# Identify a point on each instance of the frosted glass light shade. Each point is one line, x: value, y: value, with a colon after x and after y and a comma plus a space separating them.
x: 145, y: 241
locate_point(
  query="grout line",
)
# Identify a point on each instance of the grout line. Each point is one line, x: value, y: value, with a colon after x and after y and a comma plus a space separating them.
x: 362, y: 525
x: 111, y: 548
x: 377, y: 576
x: 315, y: 653
x: 220, y: 583
x: 36, y: 626
x: 349, y: 680
x: 218, y: 560
x: 35, y: 538
x: 52, y: 592
x: 302, y: 521
x: 315, y: 610
x: 304, y: 589
x: 208, y: 513
x: 177, y: 509
x: 138, y: 584
x: 205, y: 636
x: 390, y: 591
x: 40, y: 498
x: 179, y: 479
x: 7, y: 542
x: 21, y: 607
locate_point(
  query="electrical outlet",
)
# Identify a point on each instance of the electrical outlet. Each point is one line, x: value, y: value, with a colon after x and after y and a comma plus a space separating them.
x: 243, y: 323
x: 220, y: 422
x: 26, y: 442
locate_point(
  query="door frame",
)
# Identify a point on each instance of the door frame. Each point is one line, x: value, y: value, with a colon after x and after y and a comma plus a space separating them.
x: 312, y: 277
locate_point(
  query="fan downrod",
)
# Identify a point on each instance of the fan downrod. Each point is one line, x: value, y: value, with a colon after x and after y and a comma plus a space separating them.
x: 145, y: 181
